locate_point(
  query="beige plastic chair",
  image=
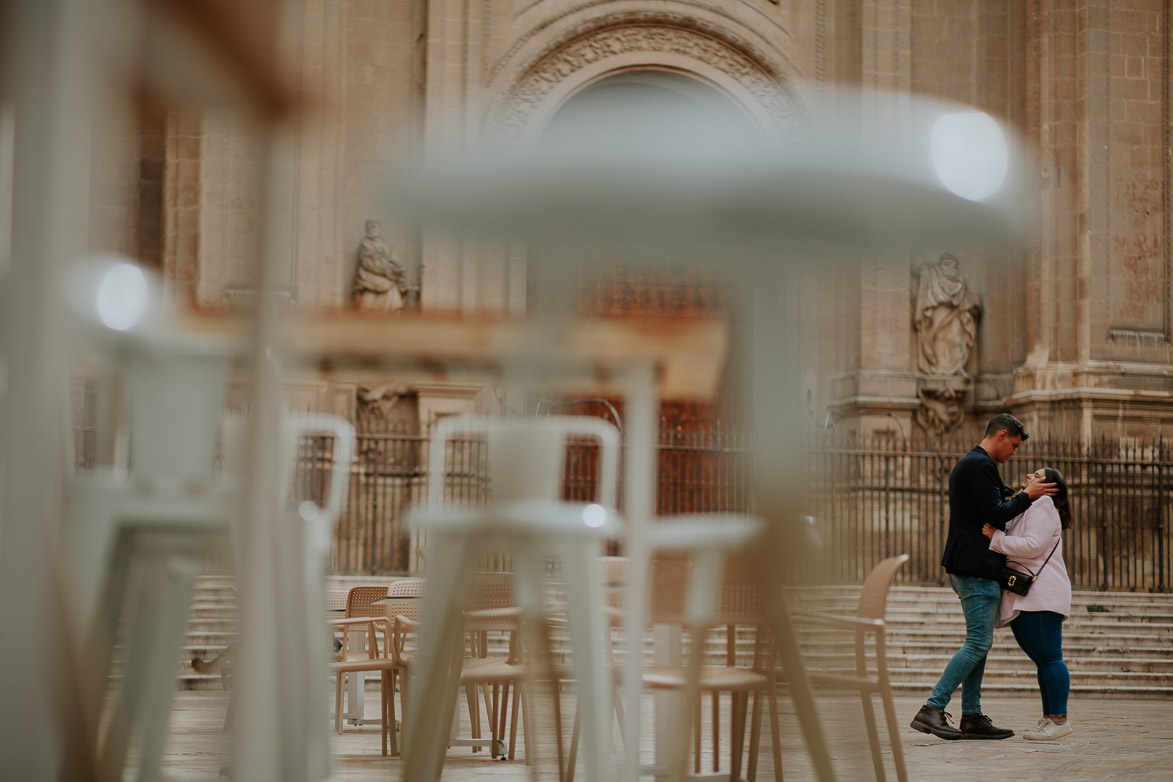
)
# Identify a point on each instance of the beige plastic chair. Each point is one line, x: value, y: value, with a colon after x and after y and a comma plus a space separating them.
x: 868, y: 620
x: 403, y: 611
x: 377, y: 657
x: 360, y: 604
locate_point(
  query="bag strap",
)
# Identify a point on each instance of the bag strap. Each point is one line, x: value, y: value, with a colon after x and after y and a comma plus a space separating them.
x: 1035, y: 574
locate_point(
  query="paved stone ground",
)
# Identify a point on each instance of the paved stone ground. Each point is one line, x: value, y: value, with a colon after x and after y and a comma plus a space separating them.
x: 1113, y: 739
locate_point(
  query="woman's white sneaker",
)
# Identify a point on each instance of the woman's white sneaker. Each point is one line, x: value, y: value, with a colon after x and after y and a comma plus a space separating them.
x: 1047, y: 730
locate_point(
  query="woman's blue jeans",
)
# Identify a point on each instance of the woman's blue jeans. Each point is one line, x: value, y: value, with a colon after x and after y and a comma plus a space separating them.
x: 1040, y: 634
x: 979, y: 601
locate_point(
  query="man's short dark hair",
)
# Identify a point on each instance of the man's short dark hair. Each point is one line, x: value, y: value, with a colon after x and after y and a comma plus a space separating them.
x: 1012, y: 425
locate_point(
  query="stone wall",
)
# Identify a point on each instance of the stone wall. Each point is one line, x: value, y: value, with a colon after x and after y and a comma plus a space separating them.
x: 1074, y: 327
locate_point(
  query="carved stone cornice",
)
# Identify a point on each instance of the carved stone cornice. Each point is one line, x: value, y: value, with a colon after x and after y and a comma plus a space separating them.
x: 511, y: 113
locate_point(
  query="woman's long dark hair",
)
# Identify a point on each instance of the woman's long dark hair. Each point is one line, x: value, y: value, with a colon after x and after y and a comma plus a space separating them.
x: 1051, y: 475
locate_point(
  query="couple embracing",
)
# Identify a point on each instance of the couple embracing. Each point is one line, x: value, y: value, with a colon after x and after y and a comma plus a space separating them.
x: 977, y: 548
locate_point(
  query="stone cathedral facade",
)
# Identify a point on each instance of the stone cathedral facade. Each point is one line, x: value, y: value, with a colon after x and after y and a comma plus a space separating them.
x: 1071, y: 330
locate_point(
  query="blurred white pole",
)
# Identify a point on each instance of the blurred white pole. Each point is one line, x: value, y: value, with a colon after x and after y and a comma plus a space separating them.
x: 643, y: 408
x: 7, y: 158
x: 45, y: 732
x: 259, y: 752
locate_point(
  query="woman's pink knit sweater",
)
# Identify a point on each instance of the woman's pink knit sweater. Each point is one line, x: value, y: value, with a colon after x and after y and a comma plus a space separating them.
x: 1026, y: 544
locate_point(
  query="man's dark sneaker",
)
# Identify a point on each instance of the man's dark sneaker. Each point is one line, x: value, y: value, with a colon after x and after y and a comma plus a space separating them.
x: 979, y: 726
x: 936, y: 722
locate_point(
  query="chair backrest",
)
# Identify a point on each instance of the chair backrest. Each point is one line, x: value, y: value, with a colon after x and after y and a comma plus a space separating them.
x: 336, y: 599
x: 740, y: 599
x: 299, y: 425
x: 488, y: 590
x: 176, y: 400
x: 405, y: 598
x: 526, y: 455
x: 234, y: 431
x: 360, y: 598
x: 873, y: 598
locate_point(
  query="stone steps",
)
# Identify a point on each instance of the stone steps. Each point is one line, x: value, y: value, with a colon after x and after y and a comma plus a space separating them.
x: 1124, y: 651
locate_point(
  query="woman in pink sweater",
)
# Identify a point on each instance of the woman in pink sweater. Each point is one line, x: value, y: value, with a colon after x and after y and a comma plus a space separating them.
x: 1037, y: 617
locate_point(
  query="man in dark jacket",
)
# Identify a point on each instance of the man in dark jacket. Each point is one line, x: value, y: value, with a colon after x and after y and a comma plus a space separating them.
x: 977, y: 496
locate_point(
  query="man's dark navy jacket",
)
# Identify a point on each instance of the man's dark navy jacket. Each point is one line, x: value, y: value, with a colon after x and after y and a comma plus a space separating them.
x: 977, y: 496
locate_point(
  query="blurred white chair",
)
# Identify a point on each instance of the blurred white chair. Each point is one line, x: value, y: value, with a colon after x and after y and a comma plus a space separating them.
x: 526, y: 458
x: 692, y: 590
x: 490, y: 607
x: 139, y: 538
x: 869, y: 619
x: 302, y: 553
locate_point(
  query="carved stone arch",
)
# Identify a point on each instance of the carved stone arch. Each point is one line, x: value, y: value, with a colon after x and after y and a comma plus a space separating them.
x: 634, y: 42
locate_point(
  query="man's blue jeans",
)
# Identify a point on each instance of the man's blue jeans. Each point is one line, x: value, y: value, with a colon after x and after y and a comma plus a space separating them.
x: 979, y: 602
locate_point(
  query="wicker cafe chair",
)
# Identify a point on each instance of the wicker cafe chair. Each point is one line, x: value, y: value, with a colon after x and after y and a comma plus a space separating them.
x: 360, y: 604
x: 377, y: 658
x: 868, y: 620
x: 403, y: 611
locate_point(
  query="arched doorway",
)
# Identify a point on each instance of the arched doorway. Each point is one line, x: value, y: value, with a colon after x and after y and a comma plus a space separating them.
x: 697, y: 444
x: 651, y: 103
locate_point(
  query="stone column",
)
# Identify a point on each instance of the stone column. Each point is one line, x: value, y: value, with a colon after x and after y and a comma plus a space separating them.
x: 882, y: 384
x: 1100, y: 359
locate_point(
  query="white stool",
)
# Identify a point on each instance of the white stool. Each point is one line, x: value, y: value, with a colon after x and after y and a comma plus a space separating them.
x: 526, y: 457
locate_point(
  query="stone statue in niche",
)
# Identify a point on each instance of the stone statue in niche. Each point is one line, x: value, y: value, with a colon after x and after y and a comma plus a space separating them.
x: 945, y: 315
x: 945, y: 318
x: 380, y: 283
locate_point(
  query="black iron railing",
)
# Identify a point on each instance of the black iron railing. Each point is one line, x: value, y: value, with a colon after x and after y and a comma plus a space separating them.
x: 869, y: 498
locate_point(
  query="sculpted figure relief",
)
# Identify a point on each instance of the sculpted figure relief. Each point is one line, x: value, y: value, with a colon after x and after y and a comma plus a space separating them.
x: 380, y: 284
x: 941, y: 409
x: 945, y: 318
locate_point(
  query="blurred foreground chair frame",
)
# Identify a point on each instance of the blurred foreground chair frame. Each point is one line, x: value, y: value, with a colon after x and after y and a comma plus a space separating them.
x: 139, y: 539
x: 707, y: 540
x: 737, y: 599
x: 740, y: 602
x: 869, y: 620
x: 304, y: 550
x: 526, y: 518
x: 490, y: 608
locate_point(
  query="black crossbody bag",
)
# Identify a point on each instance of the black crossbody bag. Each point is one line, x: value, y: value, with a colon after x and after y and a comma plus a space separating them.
x: 1018, y: 582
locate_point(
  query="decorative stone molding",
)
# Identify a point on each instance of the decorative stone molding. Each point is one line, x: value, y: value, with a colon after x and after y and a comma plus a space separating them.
x: 942, y: 406
x: 511, y: 114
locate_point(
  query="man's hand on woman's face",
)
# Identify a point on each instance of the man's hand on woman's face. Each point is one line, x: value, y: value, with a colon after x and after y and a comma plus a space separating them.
x: 1035, y: 485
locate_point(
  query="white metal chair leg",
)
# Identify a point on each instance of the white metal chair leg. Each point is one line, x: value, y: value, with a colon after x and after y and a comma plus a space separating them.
x: 585, y: 597
x: 169, y: 628
x: 438, y: 643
